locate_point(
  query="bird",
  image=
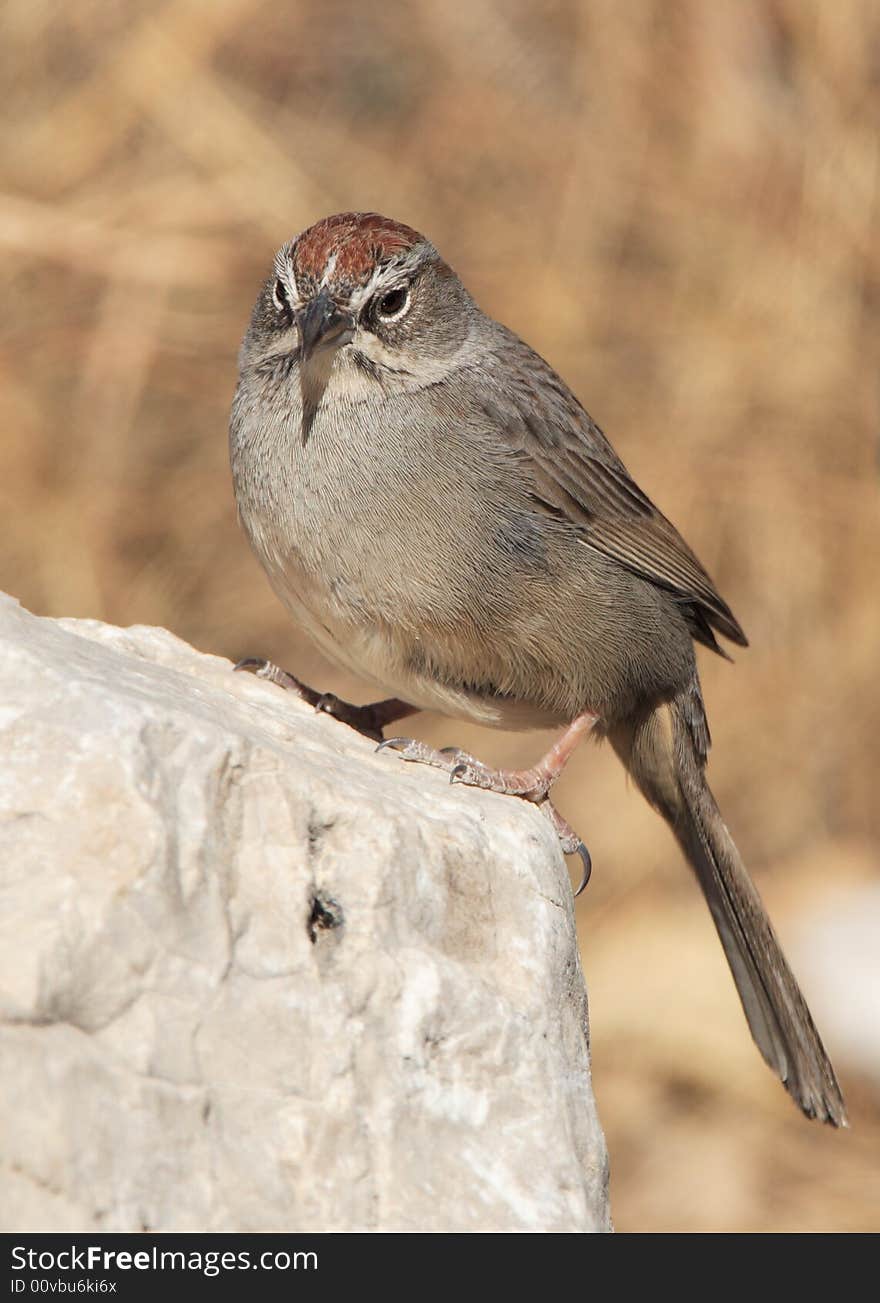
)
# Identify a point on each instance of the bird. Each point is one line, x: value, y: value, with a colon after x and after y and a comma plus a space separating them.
x: 443, y: 518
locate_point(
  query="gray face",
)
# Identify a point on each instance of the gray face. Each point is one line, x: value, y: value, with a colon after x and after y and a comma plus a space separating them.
x: 387, y: 310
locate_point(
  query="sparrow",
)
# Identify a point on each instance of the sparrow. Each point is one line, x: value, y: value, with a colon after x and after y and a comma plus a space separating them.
x: 443, y: 518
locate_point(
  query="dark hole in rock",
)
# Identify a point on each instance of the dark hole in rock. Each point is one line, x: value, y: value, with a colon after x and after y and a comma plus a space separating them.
x: 326, y: 914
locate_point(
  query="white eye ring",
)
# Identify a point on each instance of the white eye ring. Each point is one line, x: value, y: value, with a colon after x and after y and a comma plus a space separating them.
x: 398, y: 309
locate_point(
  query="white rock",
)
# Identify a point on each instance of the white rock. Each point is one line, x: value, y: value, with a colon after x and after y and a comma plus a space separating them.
x: 836, y: 948
x: 256, y: 977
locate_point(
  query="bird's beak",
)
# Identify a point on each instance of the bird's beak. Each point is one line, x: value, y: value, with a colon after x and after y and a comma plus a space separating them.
x: 321, y: 325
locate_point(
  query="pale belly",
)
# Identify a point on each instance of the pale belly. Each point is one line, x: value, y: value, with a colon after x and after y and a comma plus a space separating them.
x: 443, y: 587
x: 380, y: 653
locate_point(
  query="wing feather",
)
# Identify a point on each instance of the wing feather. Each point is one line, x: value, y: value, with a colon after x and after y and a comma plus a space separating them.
x: 577, y: 473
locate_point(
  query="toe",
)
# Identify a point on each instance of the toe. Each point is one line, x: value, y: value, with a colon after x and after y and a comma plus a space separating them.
x: 410, y: 749
x: 264, y: 669
x: 252, y: 664
x: 569, y: 842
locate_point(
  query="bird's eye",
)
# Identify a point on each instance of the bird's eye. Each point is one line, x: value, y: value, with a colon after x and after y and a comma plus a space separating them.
x: 281, y: 297
x: 393, y: 303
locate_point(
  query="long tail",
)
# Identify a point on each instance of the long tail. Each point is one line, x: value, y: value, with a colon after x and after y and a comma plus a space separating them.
x: 665, y: 753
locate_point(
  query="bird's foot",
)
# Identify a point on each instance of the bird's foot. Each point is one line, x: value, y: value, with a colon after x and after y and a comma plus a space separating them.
x: 569, y: 842
x: 529, y: 784
x: 369, y: 720
x: 263, y: 669
x: 462, y: 767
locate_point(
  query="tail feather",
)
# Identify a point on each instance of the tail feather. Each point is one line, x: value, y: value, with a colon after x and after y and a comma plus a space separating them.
x: 664, y: 756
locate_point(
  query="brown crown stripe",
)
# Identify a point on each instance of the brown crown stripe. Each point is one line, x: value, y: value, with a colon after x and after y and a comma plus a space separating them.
x: 359, y: 240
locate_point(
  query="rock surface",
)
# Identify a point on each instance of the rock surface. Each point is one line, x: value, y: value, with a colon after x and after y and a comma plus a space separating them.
x: 837, y: 952
x: 256, y: 977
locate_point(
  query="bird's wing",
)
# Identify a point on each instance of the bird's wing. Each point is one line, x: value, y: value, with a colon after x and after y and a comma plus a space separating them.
x: 577, y: 473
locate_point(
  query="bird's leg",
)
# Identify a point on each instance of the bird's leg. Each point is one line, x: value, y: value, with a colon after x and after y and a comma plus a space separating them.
x: 533, y: 784
x: 369, y: 720
x: 530, y: 784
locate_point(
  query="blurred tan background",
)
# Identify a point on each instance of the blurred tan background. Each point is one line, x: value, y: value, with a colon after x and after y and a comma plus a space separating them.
x: 677, y: 203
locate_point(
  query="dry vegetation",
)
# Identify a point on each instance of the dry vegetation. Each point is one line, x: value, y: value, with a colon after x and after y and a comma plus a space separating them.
x: 677, y: 203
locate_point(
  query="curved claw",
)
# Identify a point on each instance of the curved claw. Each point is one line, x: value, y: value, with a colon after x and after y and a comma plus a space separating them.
x: 456, y: 771
x: 392, y: 742
x: 253, y: 664
x: 587, y: 870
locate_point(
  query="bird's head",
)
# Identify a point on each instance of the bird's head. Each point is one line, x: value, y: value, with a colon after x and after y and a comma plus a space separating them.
x: 363, y: 288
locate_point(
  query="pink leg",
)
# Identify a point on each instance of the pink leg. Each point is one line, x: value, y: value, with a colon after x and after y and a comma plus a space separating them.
x: 532, y: 784
x: 529, y: 784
